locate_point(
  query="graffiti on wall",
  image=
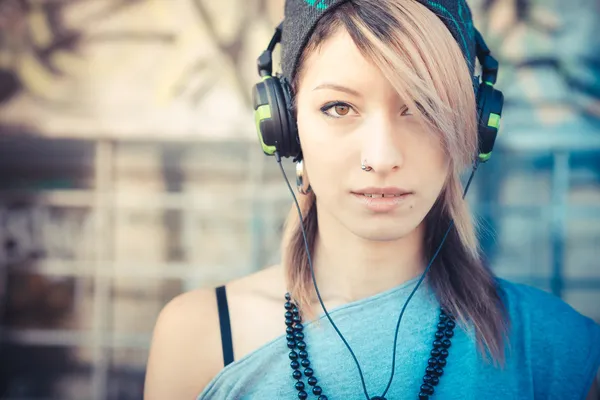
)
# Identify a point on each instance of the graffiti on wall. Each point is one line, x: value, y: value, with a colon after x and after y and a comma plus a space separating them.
x: 38, y: 43
x: 124, y: 62
x: 549, y: 56
x: 34, y: 232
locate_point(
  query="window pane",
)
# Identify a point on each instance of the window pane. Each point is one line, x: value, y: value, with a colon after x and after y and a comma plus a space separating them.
x: 43, y: 372
x: 136, y: 303
x: 126, y: 382
x: 36, y: 301
x: 51, y: 163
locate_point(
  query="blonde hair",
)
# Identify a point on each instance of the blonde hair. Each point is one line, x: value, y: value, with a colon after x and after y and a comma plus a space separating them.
x: 418, y: 55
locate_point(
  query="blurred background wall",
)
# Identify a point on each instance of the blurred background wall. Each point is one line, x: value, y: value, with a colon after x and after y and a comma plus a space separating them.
x: 130, y: 171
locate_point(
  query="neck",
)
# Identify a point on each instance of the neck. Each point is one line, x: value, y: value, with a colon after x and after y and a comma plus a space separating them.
x: 350, y: 268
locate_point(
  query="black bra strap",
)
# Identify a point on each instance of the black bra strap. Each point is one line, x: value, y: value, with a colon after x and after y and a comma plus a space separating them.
x: 226, y: 341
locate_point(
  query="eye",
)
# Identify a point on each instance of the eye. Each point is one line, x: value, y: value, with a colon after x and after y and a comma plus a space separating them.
x: 339, y: 109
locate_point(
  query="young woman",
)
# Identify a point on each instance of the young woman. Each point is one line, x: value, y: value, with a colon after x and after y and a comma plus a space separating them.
x: 381, y: 293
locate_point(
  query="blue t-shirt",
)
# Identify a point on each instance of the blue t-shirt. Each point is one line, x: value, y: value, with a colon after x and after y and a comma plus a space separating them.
x: 553, y: 353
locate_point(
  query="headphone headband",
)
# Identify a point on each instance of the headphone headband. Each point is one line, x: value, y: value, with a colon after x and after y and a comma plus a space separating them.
x: 489, y: 64
x: 276, y: 126
x: 265, y: 60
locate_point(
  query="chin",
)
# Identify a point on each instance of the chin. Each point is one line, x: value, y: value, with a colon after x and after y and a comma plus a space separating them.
x: 384, y: 230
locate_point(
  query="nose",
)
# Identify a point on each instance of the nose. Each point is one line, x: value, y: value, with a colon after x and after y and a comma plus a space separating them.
x: 381, y: 152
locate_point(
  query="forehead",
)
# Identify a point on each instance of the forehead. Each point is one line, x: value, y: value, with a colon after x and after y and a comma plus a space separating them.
x: 339, y: 60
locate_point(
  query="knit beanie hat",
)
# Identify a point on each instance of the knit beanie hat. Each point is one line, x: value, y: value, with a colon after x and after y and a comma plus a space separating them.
x: 301, y: 17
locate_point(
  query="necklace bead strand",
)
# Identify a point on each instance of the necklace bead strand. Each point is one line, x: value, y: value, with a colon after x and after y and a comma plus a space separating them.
x: 439, y: 355
x: 298, y: 354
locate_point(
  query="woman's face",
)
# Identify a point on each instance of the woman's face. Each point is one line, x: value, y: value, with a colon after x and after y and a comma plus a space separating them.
x: 347, y: 112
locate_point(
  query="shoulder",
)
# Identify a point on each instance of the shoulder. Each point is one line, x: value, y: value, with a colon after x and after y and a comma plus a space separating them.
x: 547, y: 315
x: 183, y: 354
x: 561, y: 345
x: 186, y: 352
x: 534, y: 305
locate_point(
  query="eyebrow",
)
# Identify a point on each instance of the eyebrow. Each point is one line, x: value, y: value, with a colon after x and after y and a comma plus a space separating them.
x: 339, y: 88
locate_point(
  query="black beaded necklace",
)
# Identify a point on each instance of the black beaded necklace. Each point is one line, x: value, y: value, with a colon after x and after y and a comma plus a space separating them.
x: 295, y: 336
x: 299, y: 355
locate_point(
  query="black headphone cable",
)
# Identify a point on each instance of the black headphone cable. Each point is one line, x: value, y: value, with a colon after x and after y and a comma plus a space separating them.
x: 278, y: 159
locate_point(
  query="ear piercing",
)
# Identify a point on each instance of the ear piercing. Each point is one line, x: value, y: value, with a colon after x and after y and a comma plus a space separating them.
x: 301, y: 181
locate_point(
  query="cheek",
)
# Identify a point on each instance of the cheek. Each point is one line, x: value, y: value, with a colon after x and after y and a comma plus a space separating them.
x: 439, y: 163
x: 312, y: 129
x: 438, y: 174
x: 321, y: 149
x: 432, y: 151
x: 430, y: 163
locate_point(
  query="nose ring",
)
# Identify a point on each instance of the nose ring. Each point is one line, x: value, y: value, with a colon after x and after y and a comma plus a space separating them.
x: 365, y: 167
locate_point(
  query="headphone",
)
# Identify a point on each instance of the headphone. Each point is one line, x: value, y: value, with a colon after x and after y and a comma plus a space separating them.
x: 273, y: 116
x: 278, y: 136
x: 276, y: 125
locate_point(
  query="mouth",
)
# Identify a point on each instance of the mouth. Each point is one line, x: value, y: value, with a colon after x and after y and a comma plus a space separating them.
x: 381, y: 192
x: 382, y: 200
x: 380, y: 195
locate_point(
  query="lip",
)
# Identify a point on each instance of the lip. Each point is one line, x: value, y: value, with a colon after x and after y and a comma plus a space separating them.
x: 396, y: 197
x: 388, y: 190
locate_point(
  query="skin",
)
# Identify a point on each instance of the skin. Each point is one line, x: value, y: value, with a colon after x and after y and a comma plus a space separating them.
x: 365, y: 252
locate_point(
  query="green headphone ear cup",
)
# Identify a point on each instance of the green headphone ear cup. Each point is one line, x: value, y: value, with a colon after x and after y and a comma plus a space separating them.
x: 266, y: 116
x: 490, y: 102
x: 273, y: 119
x: 262, y: 114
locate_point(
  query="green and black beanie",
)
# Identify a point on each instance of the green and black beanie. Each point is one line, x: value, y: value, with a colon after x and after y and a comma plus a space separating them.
x: 301, y: 17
